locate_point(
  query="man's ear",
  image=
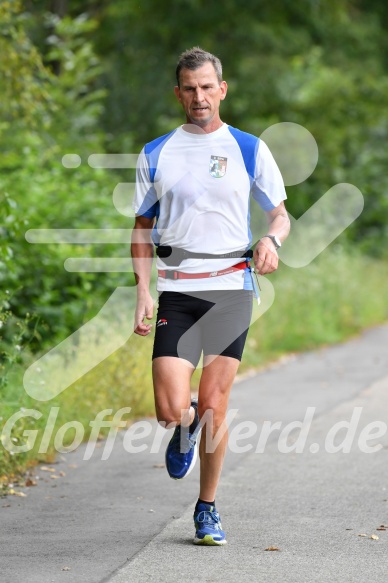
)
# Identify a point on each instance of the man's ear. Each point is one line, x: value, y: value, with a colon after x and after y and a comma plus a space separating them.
x: 177, y: 92
x: 224, y: 89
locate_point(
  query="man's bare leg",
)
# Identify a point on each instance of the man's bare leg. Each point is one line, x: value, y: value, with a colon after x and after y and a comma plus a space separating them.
x: 214, y: 390
x: 171, y: 378
x: 172, y: 403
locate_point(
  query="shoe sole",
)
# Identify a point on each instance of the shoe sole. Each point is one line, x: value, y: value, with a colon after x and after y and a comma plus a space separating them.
x: 208, y: 540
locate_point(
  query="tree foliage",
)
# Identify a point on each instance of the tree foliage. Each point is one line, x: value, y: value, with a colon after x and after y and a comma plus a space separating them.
x: 86, y: 77
x: 51, y: 115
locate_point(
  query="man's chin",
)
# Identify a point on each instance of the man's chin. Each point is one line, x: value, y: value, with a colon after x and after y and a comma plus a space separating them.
x: 200, y: 120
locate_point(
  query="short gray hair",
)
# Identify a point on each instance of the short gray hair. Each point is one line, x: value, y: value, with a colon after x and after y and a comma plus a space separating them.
x: 194, y: 59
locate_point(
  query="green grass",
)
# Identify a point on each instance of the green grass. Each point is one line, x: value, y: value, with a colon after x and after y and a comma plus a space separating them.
x: 327, y: 302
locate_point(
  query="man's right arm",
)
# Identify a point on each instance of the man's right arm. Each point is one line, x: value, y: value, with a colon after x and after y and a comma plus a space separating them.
x: 142, y: 251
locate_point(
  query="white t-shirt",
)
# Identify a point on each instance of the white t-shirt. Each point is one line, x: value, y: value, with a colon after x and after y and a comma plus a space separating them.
x: 198, y: 185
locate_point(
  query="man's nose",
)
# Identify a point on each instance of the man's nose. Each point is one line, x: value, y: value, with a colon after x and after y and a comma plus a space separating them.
x: 199, y: 94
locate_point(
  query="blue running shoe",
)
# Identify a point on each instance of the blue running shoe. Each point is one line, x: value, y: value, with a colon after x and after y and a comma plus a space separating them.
x: 181, y: 452
x: 208, y: 528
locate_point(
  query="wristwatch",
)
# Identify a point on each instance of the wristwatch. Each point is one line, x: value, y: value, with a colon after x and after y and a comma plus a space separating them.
x: 275, y: 240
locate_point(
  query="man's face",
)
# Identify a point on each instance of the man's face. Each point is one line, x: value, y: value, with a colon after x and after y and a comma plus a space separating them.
x: 200, y: 94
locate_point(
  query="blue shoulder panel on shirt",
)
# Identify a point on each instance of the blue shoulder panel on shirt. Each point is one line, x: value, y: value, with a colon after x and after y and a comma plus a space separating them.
x: 248, y: 145
x: 152, y: 151
x: 148, y: 209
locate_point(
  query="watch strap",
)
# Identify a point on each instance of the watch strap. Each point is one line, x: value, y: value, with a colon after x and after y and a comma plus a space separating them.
x: 274, y: 240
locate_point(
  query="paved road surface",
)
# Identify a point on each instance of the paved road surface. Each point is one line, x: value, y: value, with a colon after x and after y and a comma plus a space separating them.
x: 122, y: 520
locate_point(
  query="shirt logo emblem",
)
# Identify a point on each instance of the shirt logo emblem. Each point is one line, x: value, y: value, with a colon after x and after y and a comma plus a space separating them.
x: 217, y: 167
x: 161, y: 322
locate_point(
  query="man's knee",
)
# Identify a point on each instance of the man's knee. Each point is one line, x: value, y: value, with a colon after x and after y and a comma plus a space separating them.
x: 212, y: 412
x: 170, y: 415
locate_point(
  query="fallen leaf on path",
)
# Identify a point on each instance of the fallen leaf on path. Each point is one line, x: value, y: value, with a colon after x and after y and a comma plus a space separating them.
x: 381, y: 528
x: 62, y: 473
x: 374, y: 537
x: 47, y: 469
x: 272, y: 549
x: 30, y: 482
x: 65, y: 568
x: 54, y: 477
x: 13, y: 492
x: 363, y: 534
x: 159, y: 466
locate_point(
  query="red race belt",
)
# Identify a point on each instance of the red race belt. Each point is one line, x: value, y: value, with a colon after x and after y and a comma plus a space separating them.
x: 170, y: 274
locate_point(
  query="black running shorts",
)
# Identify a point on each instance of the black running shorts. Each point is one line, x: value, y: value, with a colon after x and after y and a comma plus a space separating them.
x: 215, y: 322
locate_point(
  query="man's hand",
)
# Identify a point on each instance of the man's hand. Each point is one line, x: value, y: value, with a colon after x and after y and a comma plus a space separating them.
x: 265, y: 256
x: 144, y: 309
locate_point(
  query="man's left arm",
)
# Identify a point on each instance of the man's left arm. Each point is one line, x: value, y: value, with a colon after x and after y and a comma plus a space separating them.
x: 265, y: 255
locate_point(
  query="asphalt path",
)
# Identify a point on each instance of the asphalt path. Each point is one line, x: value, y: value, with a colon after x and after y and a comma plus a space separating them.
x: 284, y: 487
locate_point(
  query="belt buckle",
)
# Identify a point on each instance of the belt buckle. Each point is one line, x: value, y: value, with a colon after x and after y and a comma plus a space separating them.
x: 171, y: 274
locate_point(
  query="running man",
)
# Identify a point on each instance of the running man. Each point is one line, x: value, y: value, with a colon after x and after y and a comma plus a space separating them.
x: 192, y: 201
